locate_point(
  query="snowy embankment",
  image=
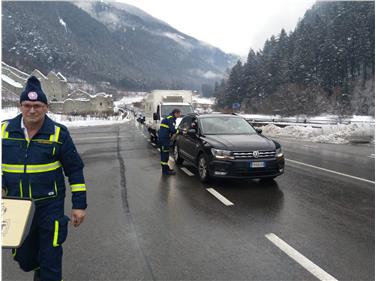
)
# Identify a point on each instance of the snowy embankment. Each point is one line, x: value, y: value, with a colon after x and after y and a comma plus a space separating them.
x: 73, y: 121
x: 129, y: 100
x: 336, y: 134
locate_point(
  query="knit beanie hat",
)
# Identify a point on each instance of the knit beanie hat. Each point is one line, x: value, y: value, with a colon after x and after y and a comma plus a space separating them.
x: 33, y: 91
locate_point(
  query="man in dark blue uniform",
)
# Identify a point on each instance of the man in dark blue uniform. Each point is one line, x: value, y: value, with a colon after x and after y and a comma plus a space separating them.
x: 36, y: 151
x: 166, y: 131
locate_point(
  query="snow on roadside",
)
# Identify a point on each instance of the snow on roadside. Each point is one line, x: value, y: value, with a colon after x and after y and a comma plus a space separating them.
x: 72, y: 121
x: 88, y: 121
x: 129, y: 100
x: 335, y: 134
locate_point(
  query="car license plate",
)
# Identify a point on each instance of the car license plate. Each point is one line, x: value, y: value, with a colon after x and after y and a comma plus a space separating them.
x: 257, y: 164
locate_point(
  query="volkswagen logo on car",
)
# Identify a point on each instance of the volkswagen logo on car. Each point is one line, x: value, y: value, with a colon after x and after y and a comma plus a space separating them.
x: 256, y: 154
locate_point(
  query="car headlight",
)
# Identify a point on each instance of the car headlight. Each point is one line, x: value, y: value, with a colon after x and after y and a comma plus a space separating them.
x: 278, y: 152
x: 222, y: 154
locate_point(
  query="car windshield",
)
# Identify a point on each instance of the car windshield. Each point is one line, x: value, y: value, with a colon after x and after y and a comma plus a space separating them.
x: 226, y: 126
x: 168, y: 108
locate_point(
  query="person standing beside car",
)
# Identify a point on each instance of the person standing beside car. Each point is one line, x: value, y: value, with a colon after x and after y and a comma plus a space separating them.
x: 166, y: 131
x: 36, y: 151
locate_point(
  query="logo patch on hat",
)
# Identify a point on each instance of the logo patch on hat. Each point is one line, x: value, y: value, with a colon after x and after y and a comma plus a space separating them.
x: 32, y: 95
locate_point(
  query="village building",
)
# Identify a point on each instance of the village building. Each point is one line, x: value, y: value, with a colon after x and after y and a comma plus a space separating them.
x: 55, y: 85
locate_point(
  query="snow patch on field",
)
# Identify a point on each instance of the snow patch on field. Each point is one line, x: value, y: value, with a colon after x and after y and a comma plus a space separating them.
x: 73, y: 121
x: 178, y: 39
x: 336, y: 134
x: 201, y: 100
x: 62, y: 22
x: 129, y: 100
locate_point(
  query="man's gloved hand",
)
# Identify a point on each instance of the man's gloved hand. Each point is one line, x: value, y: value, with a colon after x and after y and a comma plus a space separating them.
x: 77, y: 217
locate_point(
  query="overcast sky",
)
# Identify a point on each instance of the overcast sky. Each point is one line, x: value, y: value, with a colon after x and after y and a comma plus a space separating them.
x: 233, y: 25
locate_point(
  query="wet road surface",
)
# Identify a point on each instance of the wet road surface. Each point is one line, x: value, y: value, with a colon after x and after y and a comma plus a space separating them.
x: 143, y: 226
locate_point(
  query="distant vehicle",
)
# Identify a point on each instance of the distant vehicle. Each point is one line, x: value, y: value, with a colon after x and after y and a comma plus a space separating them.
x: 227, y: 146
x: 160, y: 103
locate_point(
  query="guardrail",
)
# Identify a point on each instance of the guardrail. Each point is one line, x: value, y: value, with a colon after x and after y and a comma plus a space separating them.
x: 315, y: 122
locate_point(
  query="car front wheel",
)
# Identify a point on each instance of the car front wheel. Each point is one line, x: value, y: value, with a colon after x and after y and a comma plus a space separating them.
x: 203, y: 169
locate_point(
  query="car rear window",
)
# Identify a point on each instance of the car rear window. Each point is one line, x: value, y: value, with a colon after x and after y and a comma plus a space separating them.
x: 226, y: 126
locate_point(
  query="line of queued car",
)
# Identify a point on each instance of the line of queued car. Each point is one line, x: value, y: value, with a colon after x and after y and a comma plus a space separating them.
x: 227, y: 146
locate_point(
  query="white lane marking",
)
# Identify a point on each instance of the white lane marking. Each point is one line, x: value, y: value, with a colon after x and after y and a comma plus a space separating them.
x: 372, y: 156
x: 299, y: 258
x: 153, y: 144
x: 188, y: 172
x: 159, y: 149
x: 220, y: 197
x: 330, y: 171
x: 309, y: 146
x: 148, y: 140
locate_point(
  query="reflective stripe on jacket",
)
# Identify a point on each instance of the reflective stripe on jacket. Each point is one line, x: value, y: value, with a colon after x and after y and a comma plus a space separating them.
x: 167, y: 127
x: 34, y: 168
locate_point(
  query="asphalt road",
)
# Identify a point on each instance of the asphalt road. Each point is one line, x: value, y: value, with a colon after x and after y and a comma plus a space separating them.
x: 143, y: 226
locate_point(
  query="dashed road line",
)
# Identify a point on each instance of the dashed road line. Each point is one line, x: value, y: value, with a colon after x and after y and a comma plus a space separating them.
x: 309, y: 146
x: 188, y: 172
x: 220, y: 197
x: 159, y: 149
x: 330, y: 171
x: 299, y: 258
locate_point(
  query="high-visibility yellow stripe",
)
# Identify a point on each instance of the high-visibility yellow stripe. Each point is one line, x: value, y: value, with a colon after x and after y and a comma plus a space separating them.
x: 14, y: 252
x: 30, y: 169
x: 56, y: 234
x: 53, y: 151
x: 78, y: 187
x: 16, y: 139
x: 164, y: 163
x: 57, y: 134
x: 169, y: 117
x: 3, y: 127
x: 165, y: 126
x: 4, y: 133
x: 55, y: 137
x: 30, y: 193
x: 164, y: 150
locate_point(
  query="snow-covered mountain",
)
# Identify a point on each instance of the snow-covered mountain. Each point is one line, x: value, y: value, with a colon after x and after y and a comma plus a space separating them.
x: 107, y: 42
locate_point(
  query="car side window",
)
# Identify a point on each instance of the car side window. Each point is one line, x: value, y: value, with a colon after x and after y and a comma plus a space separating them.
x: 185, y: 123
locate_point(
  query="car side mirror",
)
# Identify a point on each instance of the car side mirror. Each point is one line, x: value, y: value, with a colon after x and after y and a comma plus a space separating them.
x: 258, y: 130
x: 155, y: 116
x: 192, y: 132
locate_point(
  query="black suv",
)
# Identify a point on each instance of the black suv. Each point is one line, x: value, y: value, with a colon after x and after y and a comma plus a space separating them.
x: 227, y: 146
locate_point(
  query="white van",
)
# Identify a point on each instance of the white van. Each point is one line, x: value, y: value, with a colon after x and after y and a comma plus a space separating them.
x: 160, y: 103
